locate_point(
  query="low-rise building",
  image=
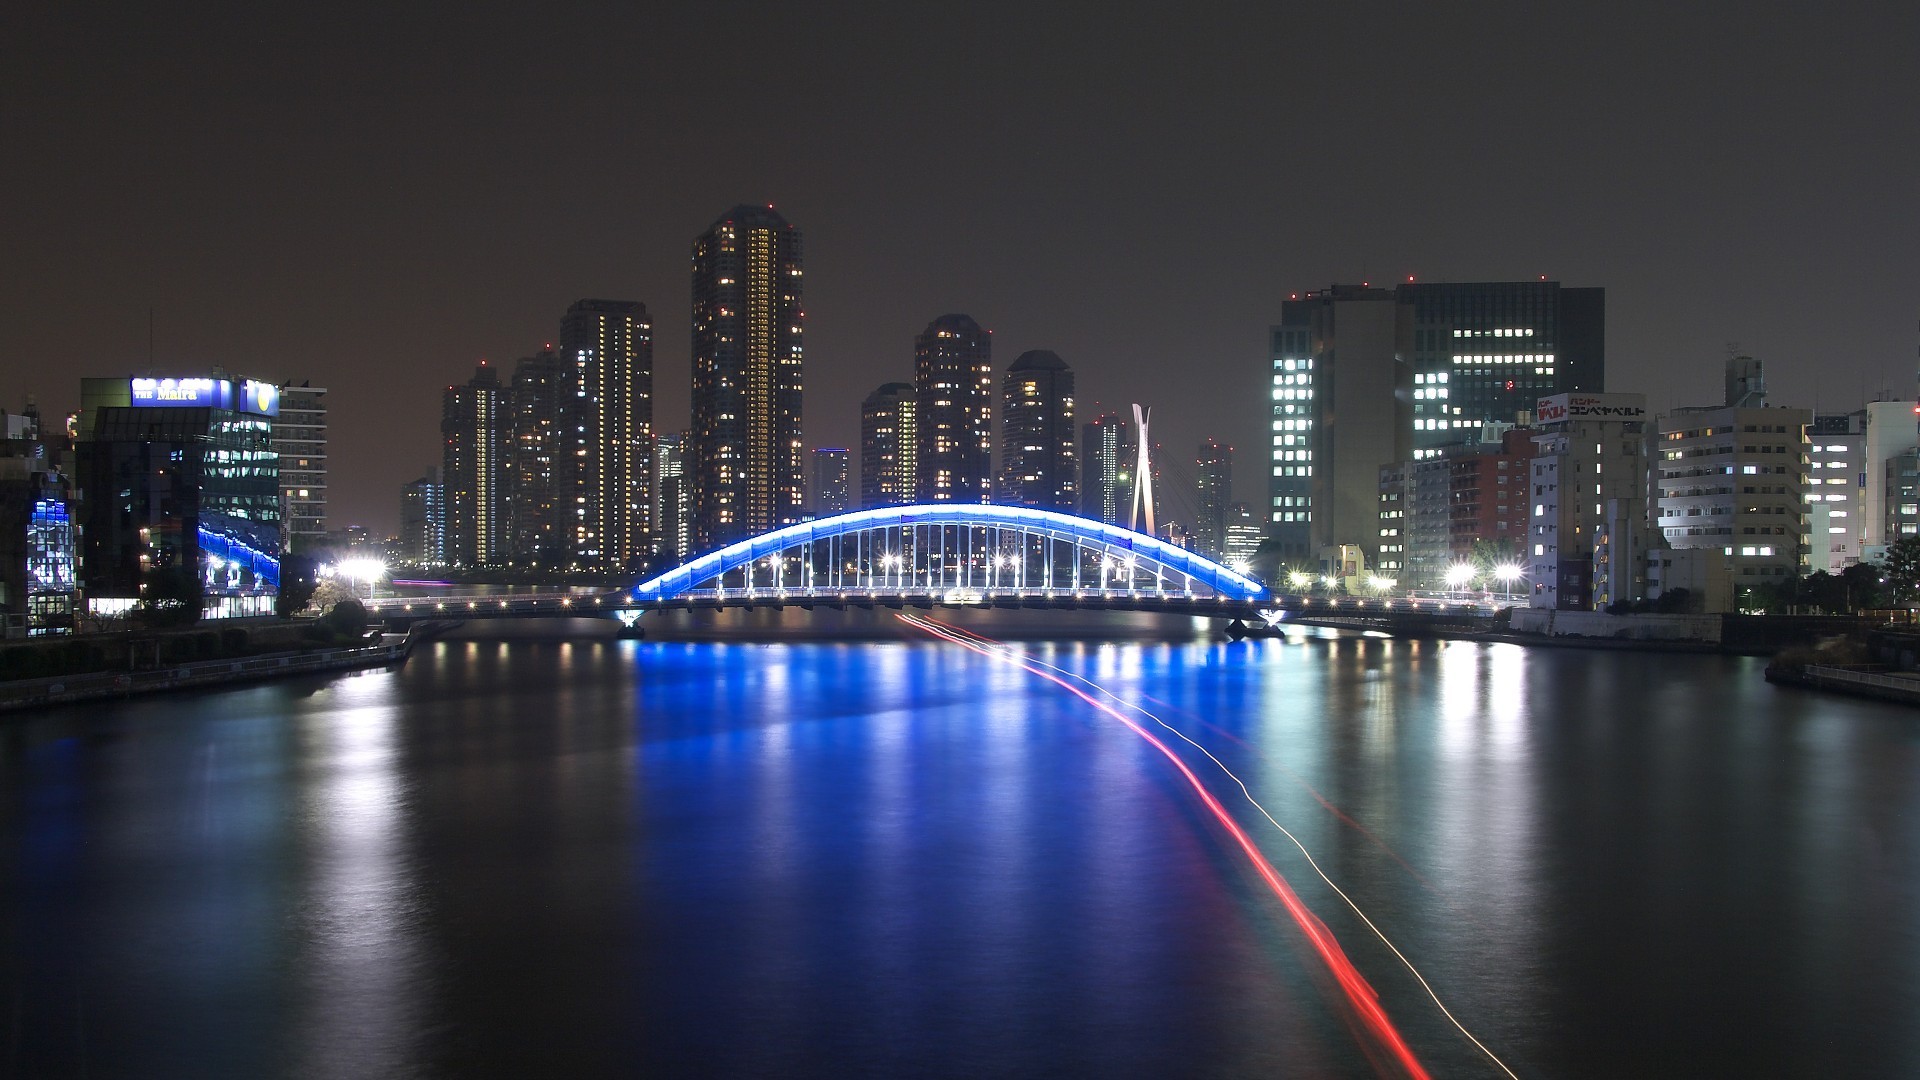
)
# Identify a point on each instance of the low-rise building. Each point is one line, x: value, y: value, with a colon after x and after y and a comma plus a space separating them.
x: 1588, y: 477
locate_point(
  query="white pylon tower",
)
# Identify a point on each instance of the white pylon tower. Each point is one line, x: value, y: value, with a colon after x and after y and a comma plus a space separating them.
x: 1142, y: 472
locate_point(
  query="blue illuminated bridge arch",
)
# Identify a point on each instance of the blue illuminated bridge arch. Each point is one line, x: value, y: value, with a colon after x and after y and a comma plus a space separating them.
x: 944, y: 548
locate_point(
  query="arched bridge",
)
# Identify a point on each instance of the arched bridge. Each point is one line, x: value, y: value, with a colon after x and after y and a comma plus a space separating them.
x: 943, y: 554
x: 955, y: 552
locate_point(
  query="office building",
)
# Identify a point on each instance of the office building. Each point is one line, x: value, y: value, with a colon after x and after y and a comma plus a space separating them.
x: 181, y: 494
x: 1887, y: 437
x: 1366, y: 377
x: 1484, y: 352
x: 475, y: 442
x: 1038, y: 461
x: 1342, y: 409
x: 1899, y: 488
x: 1106, y: 468
x: 1836, y: 490
x: 1245, y: 531
x: 672, y: 500
x: 1587, y: 477
x: 827, y: 482
x: 300, y: 438
x: 888, y: 442
x: 1396, y: 497
x: 1734, y: 477
x: 747, y: 457
x: 540, y: 497
x: 423, y: 521
x: 1213, y: 483
x: 609, y: 345
x: 39, y: 556
x: 953, y: 412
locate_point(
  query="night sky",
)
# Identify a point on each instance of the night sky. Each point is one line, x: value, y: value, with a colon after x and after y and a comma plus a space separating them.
x: 376, y: 201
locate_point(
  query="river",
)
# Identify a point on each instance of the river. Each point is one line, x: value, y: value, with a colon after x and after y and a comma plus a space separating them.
x: 624, y: 858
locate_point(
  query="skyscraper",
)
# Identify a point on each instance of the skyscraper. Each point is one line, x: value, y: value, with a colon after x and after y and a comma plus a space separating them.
x: 1365, y: 377
x: 747, y: 460
x: 887, y: 445
x: 1038, y: 463
x: 1213, y: 481
x: 540, y: 494
x: 423, y: 521
x: 953, y: 413
x: 1106, y: 468
x: 672, y: 504
x: 1484, y: 351
x: 1338, y: 345
x: 474, y: 433
x: 300, y: 438
x: 609, y: 344
x: 827, y: 482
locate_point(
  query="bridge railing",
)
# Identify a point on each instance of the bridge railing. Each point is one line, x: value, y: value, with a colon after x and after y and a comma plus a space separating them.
x: 948, y: 592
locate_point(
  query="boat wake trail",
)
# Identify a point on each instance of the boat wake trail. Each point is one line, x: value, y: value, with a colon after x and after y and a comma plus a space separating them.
x: 1358, y: 992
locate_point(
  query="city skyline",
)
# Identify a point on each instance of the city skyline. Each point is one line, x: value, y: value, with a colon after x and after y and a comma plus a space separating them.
x: 1164, y: 244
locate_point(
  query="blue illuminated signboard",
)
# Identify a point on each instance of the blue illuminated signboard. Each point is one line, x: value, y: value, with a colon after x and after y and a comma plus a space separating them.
x: 183, y: 393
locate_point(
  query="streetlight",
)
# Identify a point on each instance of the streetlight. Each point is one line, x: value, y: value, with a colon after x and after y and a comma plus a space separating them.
x: 1458, y: 575
x: 1299, y: 579
x: 1508, y: 573
x: 1380, y: 584
x: 367, y: 570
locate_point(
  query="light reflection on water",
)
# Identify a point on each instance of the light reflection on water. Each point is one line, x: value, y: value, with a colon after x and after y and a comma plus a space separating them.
x: 890, y: 859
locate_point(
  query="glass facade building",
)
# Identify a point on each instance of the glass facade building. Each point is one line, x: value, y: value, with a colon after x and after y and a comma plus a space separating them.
x: 181, y: 493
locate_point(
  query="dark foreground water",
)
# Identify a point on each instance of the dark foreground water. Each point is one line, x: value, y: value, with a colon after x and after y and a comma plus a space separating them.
x: 907, y: 859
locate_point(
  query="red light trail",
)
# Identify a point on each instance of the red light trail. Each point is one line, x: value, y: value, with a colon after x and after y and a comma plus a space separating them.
x: 999, y: 650
x: 1359, y: 994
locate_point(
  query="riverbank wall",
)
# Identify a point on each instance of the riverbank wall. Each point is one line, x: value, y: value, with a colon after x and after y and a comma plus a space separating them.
x: 22, y: 694
x: 1751, y: 635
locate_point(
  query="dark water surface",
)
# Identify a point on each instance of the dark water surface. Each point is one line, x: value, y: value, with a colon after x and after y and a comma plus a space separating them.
x: 543, y: 859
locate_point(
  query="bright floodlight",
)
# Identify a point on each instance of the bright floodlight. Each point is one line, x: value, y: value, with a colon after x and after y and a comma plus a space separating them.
x: 1509, y: 572
x: 1300, y: 579
x: 1459, y: 574
x: 1380, y: 584
x: 364, y: 569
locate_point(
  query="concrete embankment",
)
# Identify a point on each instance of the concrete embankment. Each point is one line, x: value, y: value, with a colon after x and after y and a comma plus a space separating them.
x: 59, y: 690
x: 1903, y: 687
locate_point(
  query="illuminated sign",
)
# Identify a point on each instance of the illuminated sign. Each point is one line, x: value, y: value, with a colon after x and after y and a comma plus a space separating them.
x: 1563, y: 407
x: 255, y: 396
x: 259, y: 397
x: 183, y: 393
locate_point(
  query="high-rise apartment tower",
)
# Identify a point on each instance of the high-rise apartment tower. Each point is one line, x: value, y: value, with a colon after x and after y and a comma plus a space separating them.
x: 1038, y: 465
x: 748, y: 464
x: 953, y: 414
x: 887, y: 446
x: 1213, y: 481
x: 609, y: 346
x: 475, y: 439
